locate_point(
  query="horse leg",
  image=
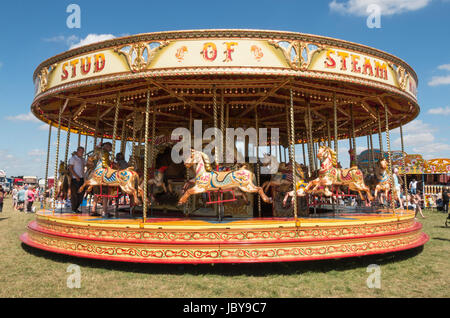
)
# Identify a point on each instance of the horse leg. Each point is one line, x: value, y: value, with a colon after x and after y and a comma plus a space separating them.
x: 254, y: 189
x: 188, y: 193
x: 288, y: 194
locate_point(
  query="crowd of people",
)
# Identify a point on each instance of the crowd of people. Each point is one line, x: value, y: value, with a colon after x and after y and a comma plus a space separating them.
x: 24, y: 197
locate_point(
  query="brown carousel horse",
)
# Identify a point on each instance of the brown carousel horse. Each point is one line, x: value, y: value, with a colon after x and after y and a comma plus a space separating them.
x: 330, y: 174
x: 208, y: 180
x: 127, y: 180
x: 63, y: 182
x: 383, y: 185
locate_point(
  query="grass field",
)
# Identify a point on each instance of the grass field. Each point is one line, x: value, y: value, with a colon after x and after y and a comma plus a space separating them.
x: 28, y: 272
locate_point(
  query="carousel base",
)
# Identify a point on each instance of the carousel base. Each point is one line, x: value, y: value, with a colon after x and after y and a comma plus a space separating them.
x: 203, y: 240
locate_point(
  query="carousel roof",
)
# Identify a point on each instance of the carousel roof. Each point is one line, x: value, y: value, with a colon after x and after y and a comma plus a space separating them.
x: 247, y: 71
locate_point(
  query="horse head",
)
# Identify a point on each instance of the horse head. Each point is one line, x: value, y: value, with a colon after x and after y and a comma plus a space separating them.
x: 197, y: 157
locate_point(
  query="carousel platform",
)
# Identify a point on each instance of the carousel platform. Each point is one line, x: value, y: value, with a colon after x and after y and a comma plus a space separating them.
x: 206, y: 240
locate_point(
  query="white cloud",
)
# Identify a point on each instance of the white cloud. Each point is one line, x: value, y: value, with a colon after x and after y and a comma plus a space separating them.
x: 440, y: 111
x: 439, y: 80
x: 23, y: 117
x: 92, y: 38
x: 74, y: 41
x: 43, y: 127
x: 445, y: 67
x: 388, y: 7
x: 36, y: 152
x: 420, y: 138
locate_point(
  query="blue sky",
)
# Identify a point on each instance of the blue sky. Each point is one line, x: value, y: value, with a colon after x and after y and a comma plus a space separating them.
x: 416, y: 31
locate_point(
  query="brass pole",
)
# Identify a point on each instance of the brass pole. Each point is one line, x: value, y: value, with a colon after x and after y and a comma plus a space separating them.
x: 96, y: 127
x: 335, y: 126
x: 116, y: 119
x: 67, y: 142
x: 147, y: 118
x: 258, y: 173
x: 47, y: 163
x: 133, y: 147
x: 61, y: 109
x: 292, y: 146
x: 388, y: 143
x: 403, y: 161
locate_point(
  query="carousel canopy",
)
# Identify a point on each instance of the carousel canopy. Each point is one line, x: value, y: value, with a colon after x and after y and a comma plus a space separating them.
x: 246, y: 70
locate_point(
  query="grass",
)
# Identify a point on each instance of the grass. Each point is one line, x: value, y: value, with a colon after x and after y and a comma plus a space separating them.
x: 28, y: 272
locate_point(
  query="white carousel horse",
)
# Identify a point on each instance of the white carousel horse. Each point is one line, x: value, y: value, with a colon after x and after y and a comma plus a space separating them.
x: 127, y: 180
x: 330, y: 174
x: 208, y: 180
x: 384, y: 185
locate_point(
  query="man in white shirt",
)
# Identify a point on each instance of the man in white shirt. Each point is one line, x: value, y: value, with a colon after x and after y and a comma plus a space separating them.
x: 413, y: 186
x: 76, y: 168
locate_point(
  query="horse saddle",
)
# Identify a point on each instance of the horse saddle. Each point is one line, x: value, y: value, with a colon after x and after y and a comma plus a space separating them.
x: 346, y: 172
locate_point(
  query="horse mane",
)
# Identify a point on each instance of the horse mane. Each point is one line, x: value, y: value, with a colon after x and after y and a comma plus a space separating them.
x: 333, y: 157
x: 208, y: 167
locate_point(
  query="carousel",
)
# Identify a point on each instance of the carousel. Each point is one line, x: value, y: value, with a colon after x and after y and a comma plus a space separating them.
x: 264, y: 197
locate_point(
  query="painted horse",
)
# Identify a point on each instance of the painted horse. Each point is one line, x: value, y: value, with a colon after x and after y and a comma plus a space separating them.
x: 127, y: 180
x: 208, y: 180
x: 330, y: 175
x: 383, y: 185
x: 63, y: 182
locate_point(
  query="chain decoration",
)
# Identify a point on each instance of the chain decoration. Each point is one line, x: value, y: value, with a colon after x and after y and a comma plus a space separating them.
x: 353, y: 135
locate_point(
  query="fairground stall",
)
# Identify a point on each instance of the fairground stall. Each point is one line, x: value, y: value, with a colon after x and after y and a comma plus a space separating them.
x: 156, y: 92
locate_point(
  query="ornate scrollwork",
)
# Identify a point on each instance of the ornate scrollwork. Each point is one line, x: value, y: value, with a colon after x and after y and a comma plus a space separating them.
x: 402, y: 77
x: 43, y: 77
x: 140, y: 55
x: 298, y: 54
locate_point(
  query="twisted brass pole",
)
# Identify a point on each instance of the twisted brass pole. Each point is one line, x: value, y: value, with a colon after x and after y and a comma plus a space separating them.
x: 403, y: 161
x: 96, y: 127
x: 47, y: 163
x: 388, y: 143
x: 292, y: 146
x: 133, y: 147
x: 116, y: 119
x: 335, y: 126
x: 67, y: 142
x: 57, y: 153
x: 147, y: 118
x: 258, y: 173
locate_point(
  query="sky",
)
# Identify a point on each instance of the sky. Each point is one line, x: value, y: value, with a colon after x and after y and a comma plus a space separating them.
x: 417, y: 31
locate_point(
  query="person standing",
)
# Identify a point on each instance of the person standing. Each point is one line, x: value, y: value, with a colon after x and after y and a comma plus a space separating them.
x: 2, y: 196
x: 76, y: 168
x: 14, y: 196
x: 413, y: 186
x: 445, y: 200
x: 21, y: 199
x: 416, y: 199
x: 397, y: 188
x: 30, y: 198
